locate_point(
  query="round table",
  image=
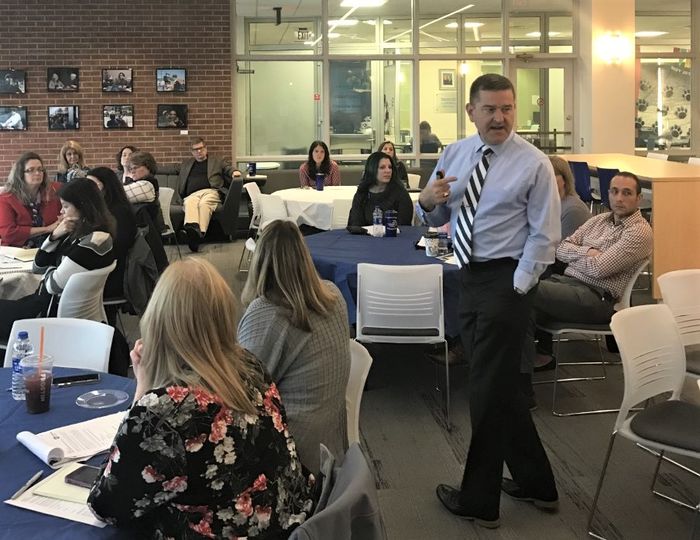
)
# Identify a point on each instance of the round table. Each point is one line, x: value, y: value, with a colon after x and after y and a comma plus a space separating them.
x: 17, y: 464
x: 17, y: 279
x: 326, y: 210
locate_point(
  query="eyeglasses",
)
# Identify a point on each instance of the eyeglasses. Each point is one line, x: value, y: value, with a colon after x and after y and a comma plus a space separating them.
x: 33, y: 170
x: 198, y: 149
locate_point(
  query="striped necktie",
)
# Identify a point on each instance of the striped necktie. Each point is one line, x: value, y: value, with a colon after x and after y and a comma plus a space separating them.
x: 467, y: 212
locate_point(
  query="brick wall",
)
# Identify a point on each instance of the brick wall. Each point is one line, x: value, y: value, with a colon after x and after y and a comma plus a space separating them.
x: 97, y: 34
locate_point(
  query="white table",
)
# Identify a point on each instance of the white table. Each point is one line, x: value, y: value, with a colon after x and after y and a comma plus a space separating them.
x: 326, y: 210
x: 16, y: 279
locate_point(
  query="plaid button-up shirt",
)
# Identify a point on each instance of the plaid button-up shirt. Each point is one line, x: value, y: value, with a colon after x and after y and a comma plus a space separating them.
x: 623, y: 246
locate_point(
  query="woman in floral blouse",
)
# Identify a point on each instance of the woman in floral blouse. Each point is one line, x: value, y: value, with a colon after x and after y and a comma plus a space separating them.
x: 204, y: 451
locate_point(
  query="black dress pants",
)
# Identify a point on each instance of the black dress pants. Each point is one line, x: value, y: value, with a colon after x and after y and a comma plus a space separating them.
x: 494, y: 322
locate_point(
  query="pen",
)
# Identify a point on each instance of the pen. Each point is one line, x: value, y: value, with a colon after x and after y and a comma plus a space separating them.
x: 29, y: 483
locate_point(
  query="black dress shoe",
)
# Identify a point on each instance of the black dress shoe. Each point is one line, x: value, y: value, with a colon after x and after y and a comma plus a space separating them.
x: 548, y: 366
x: 513, y: 490
x: 193, y: 238
x: 449, y: 497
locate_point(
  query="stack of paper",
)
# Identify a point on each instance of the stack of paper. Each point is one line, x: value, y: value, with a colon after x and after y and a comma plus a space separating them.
x: 19, y: 254
x: 70, y: 443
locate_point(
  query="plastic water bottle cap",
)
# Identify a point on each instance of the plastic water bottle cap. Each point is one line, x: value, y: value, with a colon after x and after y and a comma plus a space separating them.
x: 23, y: 334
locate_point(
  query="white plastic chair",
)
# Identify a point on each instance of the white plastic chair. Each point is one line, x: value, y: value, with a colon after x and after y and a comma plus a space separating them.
x: 165, y: 198
x: 360, y: 362
x: 558, y: 329
x: 680, y: 290
x: 254, y: 193
x: 694, y: 161
x: 413, y: 181
x: 402, y: 304
x: 82, y: 298
x: 657, y: 155
x: 272, y: 207
x: 341, y: 213
x: 653, y: 361
x: 73, y: 343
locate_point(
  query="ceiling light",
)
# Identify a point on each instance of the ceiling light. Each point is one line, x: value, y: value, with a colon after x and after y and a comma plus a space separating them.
x: 342, y: 22
x: 539, y: 34
x: 451, y: 25
x: 362, y: 3
x: 333, y: 35
x: 373, y: 22
x: 490, y: 49
x: 649, y: 33
x: 469, y: 24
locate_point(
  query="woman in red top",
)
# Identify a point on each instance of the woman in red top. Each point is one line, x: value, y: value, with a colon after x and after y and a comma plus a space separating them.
x: 29, y: 206
x: 319, y: 162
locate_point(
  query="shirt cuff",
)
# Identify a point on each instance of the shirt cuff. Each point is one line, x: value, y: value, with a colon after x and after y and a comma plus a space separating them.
x: 523, y: 280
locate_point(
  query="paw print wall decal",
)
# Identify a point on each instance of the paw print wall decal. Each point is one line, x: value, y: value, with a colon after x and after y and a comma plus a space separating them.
x: 686, y: 94
x: 676, y: 131
x: 668, y: 91
x: 681, y: 112
x: 663, y: 110
x: 642, y: 105
x: 644, y: 85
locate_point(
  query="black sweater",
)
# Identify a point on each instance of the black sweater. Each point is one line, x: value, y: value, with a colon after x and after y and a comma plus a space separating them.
x: 394, y: 197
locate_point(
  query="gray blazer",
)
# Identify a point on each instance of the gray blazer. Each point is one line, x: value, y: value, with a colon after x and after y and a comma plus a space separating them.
x: 219, y: 172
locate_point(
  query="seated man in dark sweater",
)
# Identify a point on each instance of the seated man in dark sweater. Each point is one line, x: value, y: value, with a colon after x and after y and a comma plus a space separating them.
x: 200, y: 178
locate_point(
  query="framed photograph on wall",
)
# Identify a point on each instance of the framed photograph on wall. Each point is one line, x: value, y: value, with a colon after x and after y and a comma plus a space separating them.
x: 13, y: 118
x: 171, y: 80
x: 62, y: 79
x: 117, y: 80
x: 118, y: 116
x: 64, y: 117
x: 13, y: 81
x: 447, y: 79
x: 172, y: 116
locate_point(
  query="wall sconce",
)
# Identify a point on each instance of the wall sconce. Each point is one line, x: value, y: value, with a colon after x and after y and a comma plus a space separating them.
x: 613, y: 48
x: 463, y: 68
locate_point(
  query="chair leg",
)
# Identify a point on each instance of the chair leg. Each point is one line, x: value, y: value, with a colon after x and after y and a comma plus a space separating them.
x: 447, y: 389
x: 668, y: 498
x: 599, y: 488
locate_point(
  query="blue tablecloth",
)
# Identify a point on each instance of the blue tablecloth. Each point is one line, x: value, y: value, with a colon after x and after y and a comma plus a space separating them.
x: 337, y: 253
x: 17, y: 464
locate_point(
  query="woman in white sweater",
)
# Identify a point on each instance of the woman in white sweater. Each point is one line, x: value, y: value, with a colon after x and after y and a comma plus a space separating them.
x: 297, y: 325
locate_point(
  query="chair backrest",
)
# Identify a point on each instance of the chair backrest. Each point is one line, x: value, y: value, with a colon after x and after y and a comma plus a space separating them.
x: 657, y: 155
x: 165, y: 198
x: 360, y: 362
x: 413, y: 181
x: 694, y: 161
x: 341, y: 213
x: 680, y: 290
x: 254, y: 193
x: 82, y: 297
x: 352, y: 508
x: 626, y: 299
x: 74, y: 343
x: 272, y: 207
x: 605, y: 176
x: 400, y: 304
x: 582, y: 179
x: 653, y: 357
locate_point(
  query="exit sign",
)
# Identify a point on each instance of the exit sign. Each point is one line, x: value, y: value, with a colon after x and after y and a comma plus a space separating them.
x: 303, y: 34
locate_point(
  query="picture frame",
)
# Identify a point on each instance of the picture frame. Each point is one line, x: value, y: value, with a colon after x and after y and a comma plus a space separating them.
x: 117, y: 80
x: 63, y: 117
x: 171, y: 80
x: 62, y: 79
x: 13, y: 81
x: 13, y: 118
x: 118, y: 116
x: 171, y: 116
x: 447, y: 79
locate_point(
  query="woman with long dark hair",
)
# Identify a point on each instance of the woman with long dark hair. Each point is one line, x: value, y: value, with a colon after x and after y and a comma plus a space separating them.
x: 29, y: 206
x: 389, y: 149
x: 319, y: 161
x: 380, y: 187
x: 297, y: 325
x: 82, y: 241
x: 123, y: 160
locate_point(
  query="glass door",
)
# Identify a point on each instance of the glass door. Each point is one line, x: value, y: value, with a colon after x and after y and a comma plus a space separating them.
x: 544, y: 103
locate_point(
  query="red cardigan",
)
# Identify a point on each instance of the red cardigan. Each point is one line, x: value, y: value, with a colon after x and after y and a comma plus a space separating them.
x: 16, y: 219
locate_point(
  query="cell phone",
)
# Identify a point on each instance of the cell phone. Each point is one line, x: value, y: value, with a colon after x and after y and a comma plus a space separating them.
x: 440, y: 175
x: 84, y: 476
x: 72, y: 380
x: 356, y: 229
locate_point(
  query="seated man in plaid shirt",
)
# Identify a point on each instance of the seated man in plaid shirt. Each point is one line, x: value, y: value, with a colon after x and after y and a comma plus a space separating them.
x: 601, y: 258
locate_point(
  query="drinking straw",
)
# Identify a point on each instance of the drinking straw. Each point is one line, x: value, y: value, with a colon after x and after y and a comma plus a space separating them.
x: 41, y: 346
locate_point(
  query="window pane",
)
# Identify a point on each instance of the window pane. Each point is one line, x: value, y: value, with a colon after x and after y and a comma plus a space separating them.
x: 370, y: 30
x: 258, y: 33
x: 482, y: 34
x: 266, y: 123
x: 663, y: 33
x: 560, y: 34
x: 663, y: 105
x: 371, y: 101
x: 477, y: 26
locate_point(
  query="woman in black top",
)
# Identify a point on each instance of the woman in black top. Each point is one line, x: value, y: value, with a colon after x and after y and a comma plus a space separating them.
x: 380, y: 187
x: 388, y: 148
x: 118, y: 205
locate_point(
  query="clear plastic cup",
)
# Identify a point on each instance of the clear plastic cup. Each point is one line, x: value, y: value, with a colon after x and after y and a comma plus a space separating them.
x: 38, y: 377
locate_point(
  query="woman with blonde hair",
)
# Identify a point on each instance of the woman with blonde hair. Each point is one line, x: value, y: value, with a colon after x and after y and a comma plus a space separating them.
x: 205, y: 447
x: 574, y: 211
x: 297, y: 325
x: 71, y: 162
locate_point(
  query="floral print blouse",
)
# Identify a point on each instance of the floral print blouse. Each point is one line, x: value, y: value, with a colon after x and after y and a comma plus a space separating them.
x: 185, y: 466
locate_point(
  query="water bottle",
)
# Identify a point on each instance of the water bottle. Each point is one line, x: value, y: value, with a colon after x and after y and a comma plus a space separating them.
x: 320, y: 179
x: 21, y: 348
x: 377, y: 217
